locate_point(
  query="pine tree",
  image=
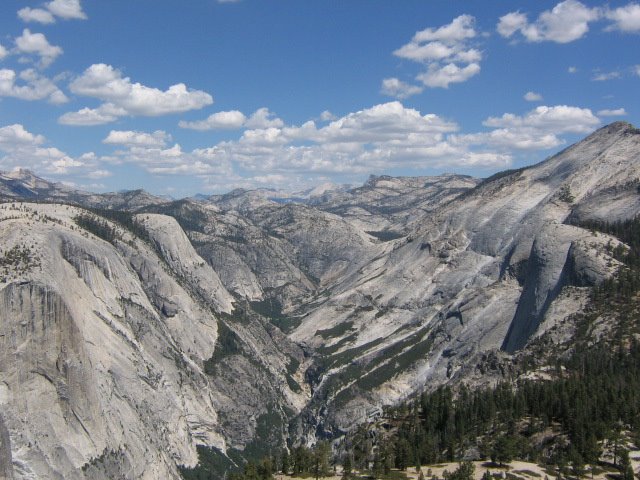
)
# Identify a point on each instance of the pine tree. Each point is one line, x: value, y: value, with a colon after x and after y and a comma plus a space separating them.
x: 347, y: 466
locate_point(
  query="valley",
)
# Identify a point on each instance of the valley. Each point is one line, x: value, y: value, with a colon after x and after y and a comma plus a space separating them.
x: 135, y: 328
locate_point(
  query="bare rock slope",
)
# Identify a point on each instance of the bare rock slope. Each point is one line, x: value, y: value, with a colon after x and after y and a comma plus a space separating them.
x: 237, y: 322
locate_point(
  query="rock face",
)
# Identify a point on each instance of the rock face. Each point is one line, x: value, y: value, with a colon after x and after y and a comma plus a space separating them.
x: 103, y: 346
x: 237, y: 321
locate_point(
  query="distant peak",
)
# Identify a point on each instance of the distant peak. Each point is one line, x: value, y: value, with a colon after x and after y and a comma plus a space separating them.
x: 619, y: 126
x: 19, y: 172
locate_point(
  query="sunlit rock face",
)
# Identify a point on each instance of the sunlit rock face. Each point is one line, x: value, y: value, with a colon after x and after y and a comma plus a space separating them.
x: 238, y: 321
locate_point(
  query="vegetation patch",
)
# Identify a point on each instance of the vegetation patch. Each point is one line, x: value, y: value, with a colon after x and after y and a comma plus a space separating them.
x: 228, y: 343
x: 212, y: 464
x: 336, y: 331
x: 271, y: 308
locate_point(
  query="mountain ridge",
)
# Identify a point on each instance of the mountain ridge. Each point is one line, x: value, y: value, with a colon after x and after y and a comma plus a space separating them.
x: 256, y: 322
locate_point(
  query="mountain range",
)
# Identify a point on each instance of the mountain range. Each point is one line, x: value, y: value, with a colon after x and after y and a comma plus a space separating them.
x: 134, y: 328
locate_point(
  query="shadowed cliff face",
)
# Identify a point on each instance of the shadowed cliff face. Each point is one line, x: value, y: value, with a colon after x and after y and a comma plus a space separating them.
x: 237, y: 321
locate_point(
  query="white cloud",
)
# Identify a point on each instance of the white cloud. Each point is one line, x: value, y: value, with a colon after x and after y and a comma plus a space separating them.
x: 327, y: 116
x: 394, y: 87
x: 618, y: 112
x: 37, y: 44
x: 514, y: 138
x: 87, y: 117
x: 636, y: 70
x: 446, y: 54
x: 123, y: 97
x: 559, y: 119
x: 444, y: 75
x: 66, y: 9
x: 605, y: 76
x: 532, y: 97
x: 381, y: 137
x: 260, y: 119
x: 24, y: 149
x: 626, y: 19
x: 217, y: 121
x: 3, y: 52
x: 132, y: 138
x: 460, y: 29
x: 539, y: 129
x: 16, y: 134
x: 566, y: 22
x: 29, y: 85
x: 572, y: 69
x: 37, y: 15
x: 263, y: 118
x: 511, y: 23
x: 422, y: 53
x: 173, y: 160
x: 384, y: 136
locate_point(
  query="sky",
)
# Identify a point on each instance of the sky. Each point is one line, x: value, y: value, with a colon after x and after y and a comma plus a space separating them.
x: 204, y: 96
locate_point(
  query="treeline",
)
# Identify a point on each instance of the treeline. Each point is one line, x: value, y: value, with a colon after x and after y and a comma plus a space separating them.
x: 301, y: 461
x: 627, y: 280
x: 95, y: 223
x: 594, y: 398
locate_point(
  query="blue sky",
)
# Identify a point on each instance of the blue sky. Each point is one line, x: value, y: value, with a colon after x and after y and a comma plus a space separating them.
x: 205, y: 96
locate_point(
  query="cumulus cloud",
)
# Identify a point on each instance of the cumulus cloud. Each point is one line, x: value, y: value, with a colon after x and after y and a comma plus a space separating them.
x: 132, y: 138
x: 532, y: 97
x: 65, y: 9
x: 159, y: 160
x: 88, y: 117
x: 23, y: 149
x: 394, y: 87
x: 234, y: 119
x: 16, y: 135
x: 37, y: 44
x: 460, y: 29
x: 625, y: 19
x: 263, y: 118
x: 572, y: 69
x: 566, y: 22
x: 3, y: 52
x: 217, y: 121
x: 559, y: 118
x: 29, y: 85
x: 618, y: 112
x: 123, y: 97
x: 444, y: 52
x: 511, y: 23
x: 37, y: 15
x: 378, y: 139
x: 539, y: 129
x: 443, y: 75
x: 327, y: 116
